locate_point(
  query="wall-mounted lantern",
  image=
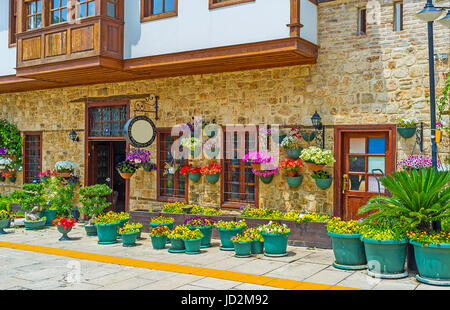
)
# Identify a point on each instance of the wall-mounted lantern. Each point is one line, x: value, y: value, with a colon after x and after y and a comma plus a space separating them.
x: 73, y: 136
x: 319, y: 127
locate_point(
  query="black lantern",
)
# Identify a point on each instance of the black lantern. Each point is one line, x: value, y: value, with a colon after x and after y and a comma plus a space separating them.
x: 318, y: 126
x: 73, y: 136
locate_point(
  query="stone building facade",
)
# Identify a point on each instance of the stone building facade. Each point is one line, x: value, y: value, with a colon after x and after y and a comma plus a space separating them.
x: 358, y: 79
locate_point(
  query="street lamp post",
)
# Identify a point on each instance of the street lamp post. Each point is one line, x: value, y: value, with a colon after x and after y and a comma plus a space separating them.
x: 429, y: 14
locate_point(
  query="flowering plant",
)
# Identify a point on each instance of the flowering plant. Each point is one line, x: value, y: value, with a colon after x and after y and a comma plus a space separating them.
x: 336, y: 225
x: 122, y: 215
x: 47, y: 174
x: 159, y: 231
x: 149, y: 167
x: 65, y: 166
x: 274, y: 228
x: 257, y: 157
x: 199, y: 222
x: 407, y: 122
x: 313, y: 217
x: 6, y: 151
x: 230, y: 225
x: 139, y: 157
x: 380, y: 231
x: 317, y: 155
x: 178, y: 232
x: 241, y: 238
x: 191, y: 143
x: 254, y: 234
x: 429, y: 238
x: 212, y: 168
x: 415, y: 162
x: 439, y: 125
x: 130, y: 228
x: 5, y: 163
x: 162, y: 220
x: 190, y: 169
x: 290, y: 165
x: 4, y: 215
x: 251, y: 211
x: 192, y: 234
x: 291, y: 142
x: 173, y: 207
x: 8, y: 174
x: 126, y: 167
x: 66, y: 223
x: 105, y: 219
x: 211, y: 211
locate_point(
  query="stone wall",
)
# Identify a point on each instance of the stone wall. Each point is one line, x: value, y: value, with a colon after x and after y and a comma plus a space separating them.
x: 370, y: 79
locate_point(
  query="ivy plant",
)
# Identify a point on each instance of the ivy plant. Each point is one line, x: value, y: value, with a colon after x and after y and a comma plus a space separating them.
x: 11, y: 138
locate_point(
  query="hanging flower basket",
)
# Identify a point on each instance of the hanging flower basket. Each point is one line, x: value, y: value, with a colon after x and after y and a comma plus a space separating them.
x: 64, y: 174
x: 267, y: 179
x: 314, y: 167
x: 213, y: 178
x: 195, y: 177
x: 324, y: 183
x: 293, y: 153
x: 126, y: 175
x: 406, y: 132
x: 294, y: 182
x: 308, y: 136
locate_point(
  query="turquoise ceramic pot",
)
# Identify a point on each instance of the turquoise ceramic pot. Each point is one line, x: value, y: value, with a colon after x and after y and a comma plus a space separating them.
x: 213, y: 178
x: 129, y: 239
x: 64, y: 233
x: 107, y: 233
x: 192, y: 246
x: 91, y: 230
x: 275, y: 244
x: 3, y: 224
x: 348, y: 251
x: 294, y: 182
x: 176, y: 246
x: 257, y: 247
x: 323, y: 183
x: 406, y: 132
x: 243, y: 249
x: 50, y: 215
x: 195, y: 177
x: 159, y: 242
x: 34, y: 225
x: 225, y: 235
x: 433, y: 263
x: 266, y: 179
x: 207, y: 234
x: 309, y: 136
x: 293, y: 153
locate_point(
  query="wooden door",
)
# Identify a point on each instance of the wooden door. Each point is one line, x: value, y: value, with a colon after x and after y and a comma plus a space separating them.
x: 364, y: 156
x: 101, y: 164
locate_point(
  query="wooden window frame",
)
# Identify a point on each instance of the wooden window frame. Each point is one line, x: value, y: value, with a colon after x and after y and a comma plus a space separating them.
x: 400, y: 16
x: 87, y: 1
x: 25, y: 134
x: 229, y: 204
x: 43, y: 14
x: 107, y: 105
x: 213, y: 4
x: 361, y: 29
x: 159, y: 197
x: 12, y: 27
x: 146, y: 7
x: 59, y: 9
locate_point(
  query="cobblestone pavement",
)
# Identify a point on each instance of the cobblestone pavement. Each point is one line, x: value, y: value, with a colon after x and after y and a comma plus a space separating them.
x: 21, y: 269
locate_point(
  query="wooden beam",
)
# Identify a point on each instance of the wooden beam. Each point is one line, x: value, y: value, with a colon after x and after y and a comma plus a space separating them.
x: 295, y: 24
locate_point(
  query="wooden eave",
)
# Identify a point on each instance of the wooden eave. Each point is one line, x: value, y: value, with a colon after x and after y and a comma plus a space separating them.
x: 100, y: 69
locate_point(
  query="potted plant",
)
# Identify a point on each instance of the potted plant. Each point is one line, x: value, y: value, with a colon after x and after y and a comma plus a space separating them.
x: 94, y: 200
x: 432, y: 256
x: 123, y: 217
x: 193, y: 172
x: 129, y: 234
x: 316, y: 158
x: 126, y: 169
x: 34, y: 223
x: 228, y: 230
x: 385, y: 248
x: 415, y: 162
x: 204, y: 225
x: 64, y: 226
x: 176, y: 239
x: 61, y: 194
x: 192, y: 241
x: 257, y: 246
x: 159, y: 236
x: 32, y: 200
x: 256, y: 159
x: 266, y: 176
x: 65, y: 168
x: 292, y: 167
x: 323, y: 179
x: 107, y: 228
x: 162, y: 220
x: 5, y: 218
x: 407, y: 127
x: 46, y: 175
x: 242, y: 245
x: 347, y: 246
x: 10, y: 175
x: 173, y: 207
x: 212, y: 172
x: 292, y: 144
x: 139, y: 158
x: 275, y: 238
x: 5, y: 165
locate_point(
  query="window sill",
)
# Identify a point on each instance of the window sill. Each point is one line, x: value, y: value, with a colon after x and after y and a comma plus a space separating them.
x: 218, y: 5
x: 235, y: 205
x: 159, y: 16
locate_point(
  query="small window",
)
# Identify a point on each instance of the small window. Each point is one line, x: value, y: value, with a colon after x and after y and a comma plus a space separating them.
x: 107, y: 121
x: 158, y: 9
x: 32, y: 156
x: 213, y: 4
x: 87, y: 8
x: 58, y: 11
x: 33, y: 14
x: 12, y: 21
x: 362, y: 23
x: 111, y: 8
x: 398, y: 16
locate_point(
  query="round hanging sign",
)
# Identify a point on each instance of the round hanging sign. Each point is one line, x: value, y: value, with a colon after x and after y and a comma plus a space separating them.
x: 140, y: 131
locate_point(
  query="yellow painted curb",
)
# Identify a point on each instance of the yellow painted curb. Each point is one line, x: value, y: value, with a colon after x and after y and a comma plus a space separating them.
x: 200, y: 271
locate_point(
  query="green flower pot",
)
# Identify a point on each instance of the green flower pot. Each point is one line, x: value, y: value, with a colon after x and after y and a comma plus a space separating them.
x: 309, y: 136
x: 195, y: 177
x: 122, y: 223
x: 293, y: 153
x: 406, y: 132
x: 177, y: 245
x: 257, y: 247
x: 207, y: 234
x: 91, y: 230
x: 153, y: 225
x: 266, y: 179
x: 159, y: 242
x: 225, y: 235
x: 12, y: 179
x: 294, y: 182
x: 129, y: 239
x: 386, y: 258
x: 243, y: 249
x: 275, y: 244
x: 64, y: 232
x: 192, y: 245
x: 50, y: 215
x: 2, y: 179
x: 34, y: 225
x: 107, y: 233
x: 213, y: 178
x: 324, y: 183
x: 4, y: 224
x: 433, y: 263
x: 348, y: 251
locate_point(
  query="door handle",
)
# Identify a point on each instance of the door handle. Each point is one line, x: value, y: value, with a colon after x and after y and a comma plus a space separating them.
x: 344, y: 183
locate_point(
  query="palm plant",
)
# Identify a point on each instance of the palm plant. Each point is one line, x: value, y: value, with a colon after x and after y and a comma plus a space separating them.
x: 419, y: 197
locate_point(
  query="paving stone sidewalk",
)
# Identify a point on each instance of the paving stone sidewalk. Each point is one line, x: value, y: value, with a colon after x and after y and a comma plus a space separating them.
x: 32, y: 270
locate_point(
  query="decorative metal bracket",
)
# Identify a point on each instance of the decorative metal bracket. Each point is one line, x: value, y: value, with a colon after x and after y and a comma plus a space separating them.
x: 419, y: 138
x: 320, y: 137
x: 143, y: 106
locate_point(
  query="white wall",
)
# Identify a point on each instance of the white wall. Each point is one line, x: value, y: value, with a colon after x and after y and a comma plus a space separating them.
x: 7, y: 55
x: 308, y: 18
x: 197, y: 27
